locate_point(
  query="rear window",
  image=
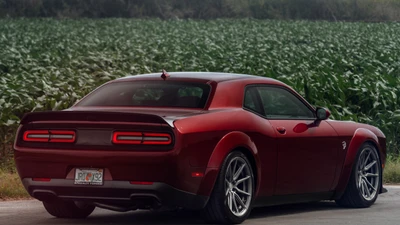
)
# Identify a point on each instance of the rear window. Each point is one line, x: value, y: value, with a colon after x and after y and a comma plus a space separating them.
x: 149, y: 94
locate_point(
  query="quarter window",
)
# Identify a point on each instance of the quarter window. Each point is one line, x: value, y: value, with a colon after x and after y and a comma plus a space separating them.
x: 250, y: 101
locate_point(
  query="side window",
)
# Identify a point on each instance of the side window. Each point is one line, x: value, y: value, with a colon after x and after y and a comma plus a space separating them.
x: 250, y: 100
x: 280, y: 103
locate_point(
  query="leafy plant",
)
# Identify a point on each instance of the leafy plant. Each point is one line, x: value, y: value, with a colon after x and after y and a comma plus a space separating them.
x: 351, y: 68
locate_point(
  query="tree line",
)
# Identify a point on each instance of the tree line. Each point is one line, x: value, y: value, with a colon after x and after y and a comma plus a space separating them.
x: 347, y: 10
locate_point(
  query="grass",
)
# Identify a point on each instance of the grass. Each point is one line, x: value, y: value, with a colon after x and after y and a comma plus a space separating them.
x: 11, y: 187
x: 392, y: 171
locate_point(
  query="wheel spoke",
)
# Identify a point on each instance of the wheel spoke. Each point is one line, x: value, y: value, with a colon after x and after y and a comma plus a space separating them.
x: 369, y: 183
x: 362, y: 161
x: 244, y: 186
x: 359, y: 181
x: 233, y: 170
x: 228, y: 174
x: 238, y: 172
x: 369, y: 166
x: 362, y: 187
x: 371, y: 175
x: 239, y: 200
x: 236, y: 207
x: 366, y: 189
x: 241, y: 180
x: 230, y: 200
x: 242, y: 192
x: 366, y: 159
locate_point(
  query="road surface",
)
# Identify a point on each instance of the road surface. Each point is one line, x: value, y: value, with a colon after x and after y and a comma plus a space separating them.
x: 386, y: 211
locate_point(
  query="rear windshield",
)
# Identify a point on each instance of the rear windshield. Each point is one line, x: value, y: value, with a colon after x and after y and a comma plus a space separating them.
x: 149, y: 94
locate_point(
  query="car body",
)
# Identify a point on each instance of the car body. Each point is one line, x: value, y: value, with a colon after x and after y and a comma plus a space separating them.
x: 151, y: 154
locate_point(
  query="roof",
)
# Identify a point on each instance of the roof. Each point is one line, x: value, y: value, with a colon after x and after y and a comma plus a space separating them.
x: 209, y: 76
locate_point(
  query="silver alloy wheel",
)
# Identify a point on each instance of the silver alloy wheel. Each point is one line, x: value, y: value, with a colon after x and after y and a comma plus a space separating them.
x: 368, y: 176
x: 238, y: 186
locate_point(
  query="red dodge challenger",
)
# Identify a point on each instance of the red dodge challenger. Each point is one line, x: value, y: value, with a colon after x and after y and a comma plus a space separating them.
x: 217, y: 142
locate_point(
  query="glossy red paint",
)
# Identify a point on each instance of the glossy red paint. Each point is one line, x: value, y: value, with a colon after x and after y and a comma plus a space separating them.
x: 300, y: 153
x: 289, y: 156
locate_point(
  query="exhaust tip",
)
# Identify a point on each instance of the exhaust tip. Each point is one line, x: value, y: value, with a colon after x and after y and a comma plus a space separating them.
x: 44, y: 196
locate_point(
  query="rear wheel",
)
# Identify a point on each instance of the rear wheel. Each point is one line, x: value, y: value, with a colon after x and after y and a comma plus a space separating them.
x: 68, y: 209
x: 231, y: 199
x: 365, y: 180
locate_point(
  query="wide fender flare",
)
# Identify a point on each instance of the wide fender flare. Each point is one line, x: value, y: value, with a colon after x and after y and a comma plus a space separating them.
x: 361, y: 135
x: 228, y: 143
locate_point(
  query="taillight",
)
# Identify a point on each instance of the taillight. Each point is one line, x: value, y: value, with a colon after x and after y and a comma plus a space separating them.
x: 141, y: 138
x: 156, y: 139
x: 60, y: 136
x: 37, y: 135
x: 127, y: 138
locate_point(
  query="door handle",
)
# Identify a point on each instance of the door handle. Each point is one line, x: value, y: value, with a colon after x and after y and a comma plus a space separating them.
x: 281, y: 130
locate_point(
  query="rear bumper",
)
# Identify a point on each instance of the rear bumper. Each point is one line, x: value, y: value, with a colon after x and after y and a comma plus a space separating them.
x: 121, y: 195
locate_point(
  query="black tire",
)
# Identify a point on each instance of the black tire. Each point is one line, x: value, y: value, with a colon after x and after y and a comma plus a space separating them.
x: 217, y: 210
x: 353, y: 197
x: 68, y: 209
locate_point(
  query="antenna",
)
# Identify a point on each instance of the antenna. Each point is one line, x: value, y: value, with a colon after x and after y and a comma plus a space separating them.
x: 164, y: 75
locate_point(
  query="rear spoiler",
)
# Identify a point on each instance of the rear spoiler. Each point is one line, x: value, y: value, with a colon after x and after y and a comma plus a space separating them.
x: 91, y: 116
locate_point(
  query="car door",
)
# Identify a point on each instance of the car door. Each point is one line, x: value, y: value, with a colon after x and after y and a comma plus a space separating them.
x: 307, y: 148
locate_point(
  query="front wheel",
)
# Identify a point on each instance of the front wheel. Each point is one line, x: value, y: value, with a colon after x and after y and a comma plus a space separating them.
x: 231, y: 199
x: 365, y: 180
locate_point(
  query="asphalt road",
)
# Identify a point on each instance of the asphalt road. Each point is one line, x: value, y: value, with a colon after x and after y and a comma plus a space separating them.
x: 384, y: 212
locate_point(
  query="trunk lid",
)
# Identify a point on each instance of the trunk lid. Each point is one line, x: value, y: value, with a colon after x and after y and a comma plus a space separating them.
x: 95, y: 128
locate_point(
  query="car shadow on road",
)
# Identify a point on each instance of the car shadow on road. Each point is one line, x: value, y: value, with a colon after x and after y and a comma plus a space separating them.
x: 273, y: 211
x: 187, y: 217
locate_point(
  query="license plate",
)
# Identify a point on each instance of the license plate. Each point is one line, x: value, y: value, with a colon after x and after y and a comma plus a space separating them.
x: 89, y: 176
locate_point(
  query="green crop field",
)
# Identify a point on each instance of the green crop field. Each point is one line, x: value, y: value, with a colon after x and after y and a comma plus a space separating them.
x: 351, y: 68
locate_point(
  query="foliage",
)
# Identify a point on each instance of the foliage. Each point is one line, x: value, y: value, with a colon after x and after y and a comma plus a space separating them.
x: 392, y: 171
x: 10, y: 184
x: 351, y: 68
x: 11, y: 187
x: 366, y: 10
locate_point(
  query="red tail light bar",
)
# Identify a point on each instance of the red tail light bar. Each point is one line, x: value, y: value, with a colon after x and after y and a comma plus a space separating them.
x: 141, y: 138
x: 60, y: 136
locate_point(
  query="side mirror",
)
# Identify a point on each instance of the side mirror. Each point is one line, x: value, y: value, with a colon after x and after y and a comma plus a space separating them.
x: 322, y: 114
